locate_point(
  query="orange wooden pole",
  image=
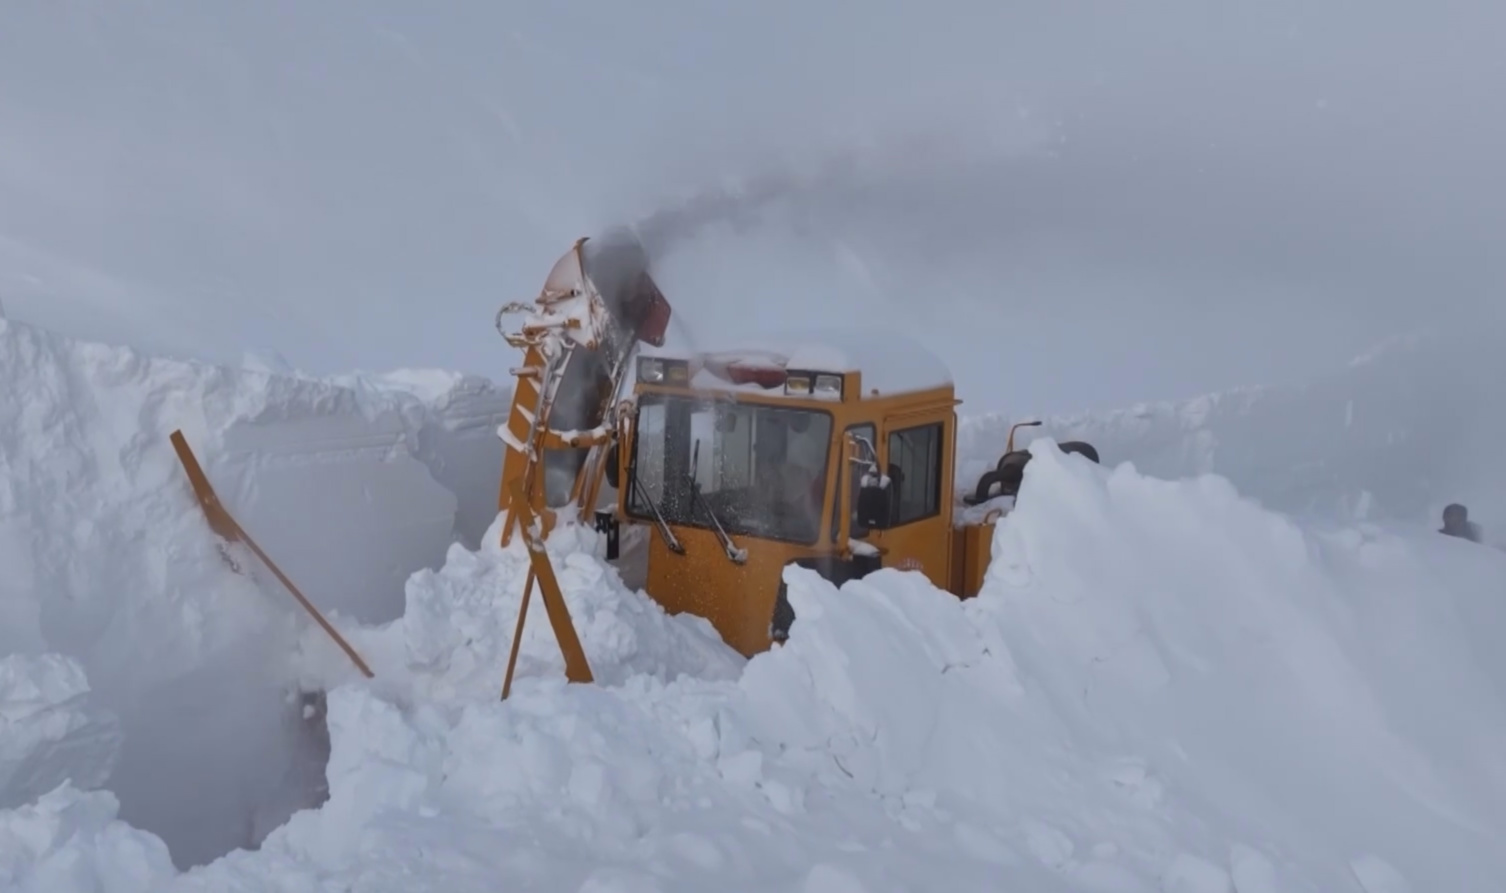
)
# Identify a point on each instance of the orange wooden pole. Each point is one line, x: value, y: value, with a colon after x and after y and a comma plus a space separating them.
x: 577, y: 668
x: 223, y: 524
x: 517, y: 636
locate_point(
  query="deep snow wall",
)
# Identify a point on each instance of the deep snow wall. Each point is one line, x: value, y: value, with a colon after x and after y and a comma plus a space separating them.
x: 1414, y: 424
x: 141, y: 660
x: 108, y: 560
x: 1312, y: 690
x: 1161, y: 687
x: 52, y: 728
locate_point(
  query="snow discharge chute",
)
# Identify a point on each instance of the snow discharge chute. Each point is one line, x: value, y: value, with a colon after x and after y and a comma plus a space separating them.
x: 597, y: 303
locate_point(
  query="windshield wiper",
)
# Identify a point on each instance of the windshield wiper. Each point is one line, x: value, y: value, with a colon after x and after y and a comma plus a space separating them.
x: 664, y: 530
x: 734, y: 554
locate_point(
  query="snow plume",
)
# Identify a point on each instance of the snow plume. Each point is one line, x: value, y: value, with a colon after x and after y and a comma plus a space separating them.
x: 144, y: 653
x: 887, y: 173
x: 739, y: 202
x: 861, y: 204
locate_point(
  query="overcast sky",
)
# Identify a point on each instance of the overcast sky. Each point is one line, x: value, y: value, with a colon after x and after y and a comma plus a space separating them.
x: 1079, y: 205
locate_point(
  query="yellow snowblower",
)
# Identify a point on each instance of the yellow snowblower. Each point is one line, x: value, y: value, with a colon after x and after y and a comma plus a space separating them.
x: 835, y: 454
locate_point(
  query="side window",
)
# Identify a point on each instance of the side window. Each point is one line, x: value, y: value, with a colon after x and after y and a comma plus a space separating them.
x: 915, y: 466
x: 647, y: 462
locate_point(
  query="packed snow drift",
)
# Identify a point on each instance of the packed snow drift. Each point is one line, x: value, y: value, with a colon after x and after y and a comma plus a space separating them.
x: 1163, y: 686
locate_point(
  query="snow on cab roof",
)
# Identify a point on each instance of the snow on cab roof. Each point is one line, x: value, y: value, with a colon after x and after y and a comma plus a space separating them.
x: 890, y: 362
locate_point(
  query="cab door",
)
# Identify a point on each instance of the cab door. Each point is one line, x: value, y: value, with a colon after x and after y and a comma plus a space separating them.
x: 916, y: 449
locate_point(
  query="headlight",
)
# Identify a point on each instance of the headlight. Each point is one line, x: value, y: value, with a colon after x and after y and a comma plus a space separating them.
x: 828, y: 386
x: 664, y: 370
x: 825, y: 385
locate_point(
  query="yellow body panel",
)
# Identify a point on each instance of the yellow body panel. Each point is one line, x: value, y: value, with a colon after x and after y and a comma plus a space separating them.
x: 737, y: 599
x: 971, y: 548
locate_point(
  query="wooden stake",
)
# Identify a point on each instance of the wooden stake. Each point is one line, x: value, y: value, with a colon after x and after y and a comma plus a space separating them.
x: 517, y: 636
x: 223, y: 524
x: 577, y: 669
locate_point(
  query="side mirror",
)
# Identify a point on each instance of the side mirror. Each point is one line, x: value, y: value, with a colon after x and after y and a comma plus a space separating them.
x: 613, y: 466
x: 873, y: 508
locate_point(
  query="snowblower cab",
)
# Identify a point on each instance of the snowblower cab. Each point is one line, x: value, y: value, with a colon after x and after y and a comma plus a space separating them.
x: 832, y: 452
x: 835, y: 452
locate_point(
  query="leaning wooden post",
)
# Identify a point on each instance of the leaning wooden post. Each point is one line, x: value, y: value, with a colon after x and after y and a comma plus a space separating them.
x: 223, y: 524
x: 517, y: 636
x: 577, y: 669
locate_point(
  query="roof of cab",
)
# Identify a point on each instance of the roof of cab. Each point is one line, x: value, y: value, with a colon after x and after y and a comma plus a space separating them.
x: 890, y: 363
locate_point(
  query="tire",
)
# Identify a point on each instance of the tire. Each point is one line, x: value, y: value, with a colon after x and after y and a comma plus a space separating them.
x: 1081, y: 448
x: 1010, y: 472
x: 833, y: 570
x: 980, y: 493
x: 784, y: 615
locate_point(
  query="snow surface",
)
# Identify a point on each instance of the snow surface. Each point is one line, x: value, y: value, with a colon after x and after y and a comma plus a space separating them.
x: 51, y: 731
x: 1162, y: 686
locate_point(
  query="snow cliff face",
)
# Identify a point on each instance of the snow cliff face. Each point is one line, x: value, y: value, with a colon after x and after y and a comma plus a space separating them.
x: 108, y: 561
x: 1161, y: 687
x: 53, y: 728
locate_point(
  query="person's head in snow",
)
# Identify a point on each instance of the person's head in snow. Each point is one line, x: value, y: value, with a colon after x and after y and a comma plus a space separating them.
x: 1456, y: 522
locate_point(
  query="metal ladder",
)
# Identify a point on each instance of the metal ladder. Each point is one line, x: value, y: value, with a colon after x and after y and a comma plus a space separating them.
x: 568, y: 322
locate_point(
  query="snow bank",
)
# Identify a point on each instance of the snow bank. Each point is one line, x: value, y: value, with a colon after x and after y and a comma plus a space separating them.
x: 51, y: 731
x: 457, y: 439
x: 1167, y: 674
x: 1161, y: 687
x: 70, y: 840
x: 1401, y: 432
x: 108, y: 560
x: 1322, y: 696
x: 453, y: 639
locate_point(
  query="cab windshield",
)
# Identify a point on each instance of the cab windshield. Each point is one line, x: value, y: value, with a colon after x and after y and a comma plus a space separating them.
x: 761, y: 469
